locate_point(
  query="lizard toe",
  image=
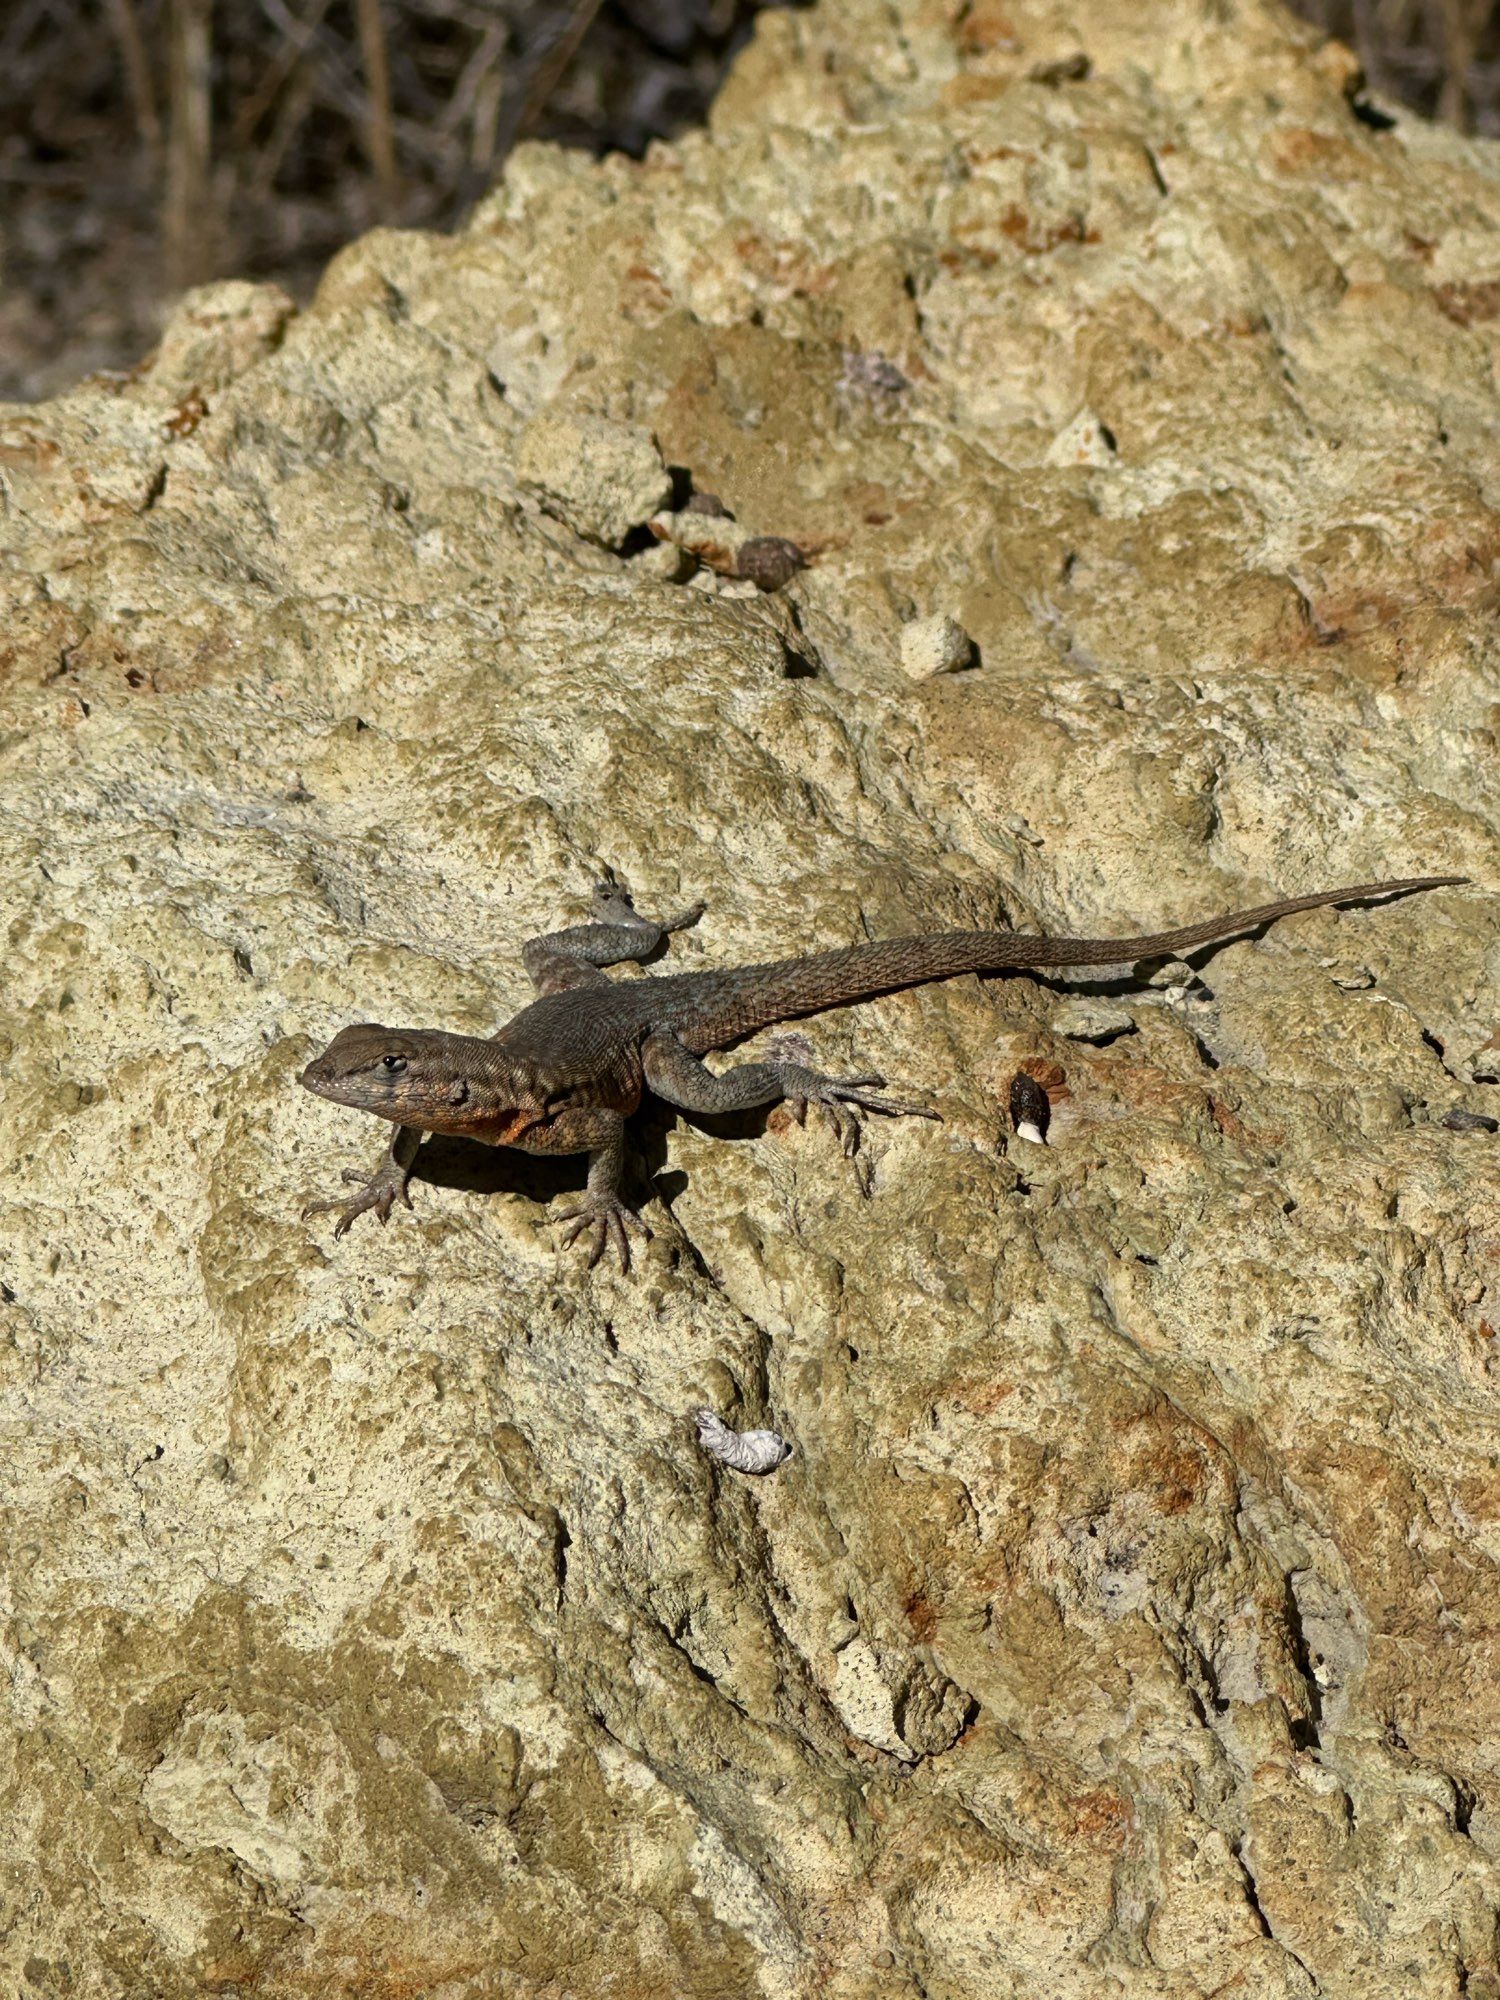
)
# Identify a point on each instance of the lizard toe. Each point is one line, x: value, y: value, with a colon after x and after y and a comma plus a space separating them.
x: 339, y: 1202
x: 841, y: 1100
x: 901, y: 1107
x: 379, y: 1195
x: 606, y: 1223
x: 845, y: 1125
x: 861, y: 1092
x: 619, y: 1240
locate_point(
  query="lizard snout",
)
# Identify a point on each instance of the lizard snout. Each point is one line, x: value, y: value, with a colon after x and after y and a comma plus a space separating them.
x: 318, y: 1077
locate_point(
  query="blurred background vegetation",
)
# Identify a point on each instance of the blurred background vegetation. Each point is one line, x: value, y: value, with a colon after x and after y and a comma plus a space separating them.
x: 146, y: 145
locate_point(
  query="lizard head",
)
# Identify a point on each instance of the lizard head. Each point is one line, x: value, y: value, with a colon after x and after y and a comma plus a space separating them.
x: 414, y: 1076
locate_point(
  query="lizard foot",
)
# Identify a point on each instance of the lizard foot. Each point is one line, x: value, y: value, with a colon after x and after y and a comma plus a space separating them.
x: 613, y: 904
x: 381, y: 1191
x: 606, y: 1219
x: 838, y: 1097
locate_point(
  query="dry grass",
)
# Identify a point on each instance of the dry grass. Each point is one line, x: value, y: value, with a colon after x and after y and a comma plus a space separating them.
x: 1442, y: 57
x: 150, y: 144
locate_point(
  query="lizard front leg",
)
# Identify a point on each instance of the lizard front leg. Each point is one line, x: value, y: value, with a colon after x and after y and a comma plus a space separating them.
x: 601, y: 1211
x: 677, y: 1075
x: 389, y: 1183
x: 618, y: 931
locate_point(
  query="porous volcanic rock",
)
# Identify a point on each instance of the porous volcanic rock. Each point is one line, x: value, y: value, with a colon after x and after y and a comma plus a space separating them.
x: 1125, y: 1618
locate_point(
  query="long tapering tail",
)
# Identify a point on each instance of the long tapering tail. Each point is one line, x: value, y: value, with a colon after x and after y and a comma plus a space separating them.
x: 712, y: 1010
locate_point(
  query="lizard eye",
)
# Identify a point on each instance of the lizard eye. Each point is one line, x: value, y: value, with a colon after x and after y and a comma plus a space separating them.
x: 393, y: 1065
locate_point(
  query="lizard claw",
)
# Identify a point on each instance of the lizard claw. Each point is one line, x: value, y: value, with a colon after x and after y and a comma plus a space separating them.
x: 606, y: 1220
x: 379, y: 1192
x: 838, y: 1097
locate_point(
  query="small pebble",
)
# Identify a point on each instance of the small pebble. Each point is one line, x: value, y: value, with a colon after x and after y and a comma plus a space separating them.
x: 1085, y: 441
x: 769, y: 561
x: 931, y: 646
x: 1085, y: 1020
x: 872, y: 375
x: 741, y: 1451
x: 1173, y: 973
x: 664, y: 560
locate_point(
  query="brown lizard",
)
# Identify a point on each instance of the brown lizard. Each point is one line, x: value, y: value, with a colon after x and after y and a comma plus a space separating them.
x: 567, y: 1072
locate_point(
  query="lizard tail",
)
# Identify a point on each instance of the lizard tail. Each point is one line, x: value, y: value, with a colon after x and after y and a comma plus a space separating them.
x: 713, y: 1010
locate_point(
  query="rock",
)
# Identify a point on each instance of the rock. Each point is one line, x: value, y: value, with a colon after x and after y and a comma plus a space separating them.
x: 1352, y: 978
x: 706, y: 530
x: 875, y: 377
x: 216, y: 333
x: 768, y: 561
x: 1174, y: 978
x: 935, y: 646
x: 603, y: 478
x: 1085, y: 1019
x: 1084, y: 441
x: 1126, y: 1620
x: 666, y: 561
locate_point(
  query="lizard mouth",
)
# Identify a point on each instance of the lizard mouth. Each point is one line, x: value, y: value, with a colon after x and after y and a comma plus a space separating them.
x: 324, y: 1081
x: 317, y: 1079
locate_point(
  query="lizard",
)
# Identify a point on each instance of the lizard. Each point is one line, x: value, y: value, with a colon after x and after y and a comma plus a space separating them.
x: 566, y: 1073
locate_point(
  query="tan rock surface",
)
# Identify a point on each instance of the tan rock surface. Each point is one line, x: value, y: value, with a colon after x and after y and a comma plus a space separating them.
x: 1125, y: 1620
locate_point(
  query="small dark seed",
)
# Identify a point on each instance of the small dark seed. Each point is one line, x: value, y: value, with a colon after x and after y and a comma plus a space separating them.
x: 1029, y: 1103
x: 1471, y: 1121
x: 874, y: 374
x: 769, y: 561
x: 1067, y: 69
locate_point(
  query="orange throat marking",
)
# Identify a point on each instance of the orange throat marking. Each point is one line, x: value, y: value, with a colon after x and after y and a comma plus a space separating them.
x: 508, y: 1128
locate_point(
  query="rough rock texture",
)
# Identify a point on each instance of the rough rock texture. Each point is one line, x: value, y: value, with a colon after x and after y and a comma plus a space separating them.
x: 604, y: 479
x: 1125, y: 1620
x: 937, y: 645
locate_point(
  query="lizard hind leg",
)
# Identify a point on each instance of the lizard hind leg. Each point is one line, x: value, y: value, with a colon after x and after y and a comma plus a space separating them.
x: 841, y: 1099
x: 676, y: 1075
